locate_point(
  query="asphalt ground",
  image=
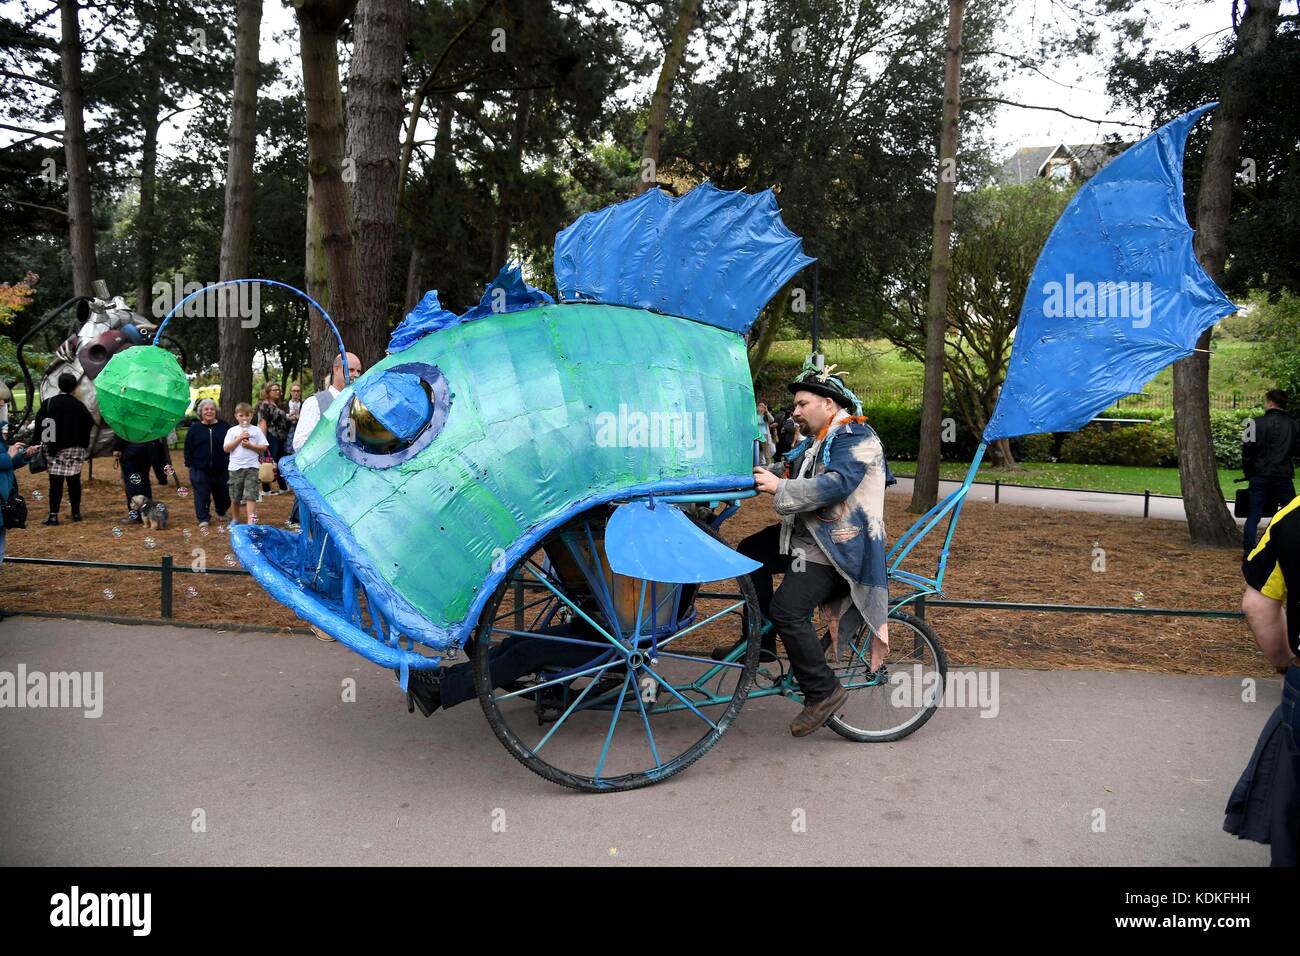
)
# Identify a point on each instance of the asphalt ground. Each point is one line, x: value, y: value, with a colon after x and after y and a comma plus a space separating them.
x: 238, y: 748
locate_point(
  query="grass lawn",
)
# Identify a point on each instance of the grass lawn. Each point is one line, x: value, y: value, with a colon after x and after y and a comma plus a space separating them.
x: 1090, y: 477
x: 875, y: 368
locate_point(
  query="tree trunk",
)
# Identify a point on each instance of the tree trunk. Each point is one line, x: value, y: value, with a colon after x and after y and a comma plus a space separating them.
x: 663, y: 95
x: 323, y: 346
x: 144, y: 221
x: 925, y: 488
x: 413, y: 293
x: 505, y: 206
x: 767, y: 333
x: 374, y: 111
x: 1208, y: 519
x: 318, y: 26
x: 81, y: 224
x: 236, y: 341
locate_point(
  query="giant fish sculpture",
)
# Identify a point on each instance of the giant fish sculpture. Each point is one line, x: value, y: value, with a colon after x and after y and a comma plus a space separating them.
x: 434, y: 472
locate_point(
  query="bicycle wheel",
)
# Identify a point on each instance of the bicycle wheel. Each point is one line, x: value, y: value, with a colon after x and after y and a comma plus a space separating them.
x: 906, y: 691
x: 621, y: 692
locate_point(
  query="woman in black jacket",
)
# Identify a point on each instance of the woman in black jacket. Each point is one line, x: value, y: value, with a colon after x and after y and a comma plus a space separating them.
x: 206, y: 458
x: 64, y: 425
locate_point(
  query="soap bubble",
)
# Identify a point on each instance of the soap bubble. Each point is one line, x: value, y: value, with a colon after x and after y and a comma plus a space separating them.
x: 150, y: 543
x: 117, y: 532
x: 108, y: 594
x: 1139, y: 597
x: 186, y: 534
x: 135, y: 479
x: 230, y: 561
x: 192, y: 591
x: 221, y: 528
x: 37, y: 495
x: 204, y: 532
x: 183, y: 491
x: 169, y: 470
x: 134, y: 515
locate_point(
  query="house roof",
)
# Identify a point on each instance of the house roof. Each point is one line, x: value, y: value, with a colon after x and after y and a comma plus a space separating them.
x: 1030, y: 162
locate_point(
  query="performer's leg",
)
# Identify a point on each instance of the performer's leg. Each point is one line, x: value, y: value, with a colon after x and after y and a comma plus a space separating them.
x: 764, y: 547
x: 792, y: 606
x: 513, y: 658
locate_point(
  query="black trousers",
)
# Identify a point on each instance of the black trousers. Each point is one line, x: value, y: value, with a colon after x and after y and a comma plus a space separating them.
x: 209, y: 485
x: 1264, y: 494
x: 790, y: 608
x: 135, y: 479
x: 56, y: 493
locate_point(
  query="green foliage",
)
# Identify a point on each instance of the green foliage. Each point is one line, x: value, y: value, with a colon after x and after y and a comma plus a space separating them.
x: 10, y: 372
x: 1279, y: 350
x: 1034, y: 447
x: 899, y: 428
x: 1144, y: 445
x: 1226, y: 429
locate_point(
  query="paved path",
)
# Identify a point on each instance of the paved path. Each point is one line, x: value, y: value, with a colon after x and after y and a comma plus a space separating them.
x: 1105, y: 502
x: 251, y: 729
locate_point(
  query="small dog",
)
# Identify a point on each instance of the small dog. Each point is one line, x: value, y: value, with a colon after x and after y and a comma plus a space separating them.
x: 153, y: 514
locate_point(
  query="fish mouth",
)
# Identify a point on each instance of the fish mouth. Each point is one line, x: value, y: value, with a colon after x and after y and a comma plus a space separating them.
x: 325, y: 577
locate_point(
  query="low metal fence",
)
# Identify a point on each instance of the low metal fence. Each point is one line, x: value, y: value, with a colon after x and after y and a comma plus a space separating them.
x: 167, y: 569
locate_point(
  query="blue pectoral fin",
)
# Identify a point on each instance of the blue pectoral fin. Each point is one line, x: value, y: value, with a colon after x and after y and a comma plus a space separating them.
x: 659, y: 543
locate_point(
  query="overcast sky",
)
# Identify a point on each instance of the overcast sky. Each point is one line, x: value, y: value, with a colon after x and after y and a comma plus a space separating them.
x: 1077, y: 86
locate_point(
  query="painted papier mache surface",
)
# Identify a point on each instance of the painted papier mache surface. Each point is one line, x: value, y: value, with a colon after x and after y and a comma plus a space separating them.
x: 434, y: 472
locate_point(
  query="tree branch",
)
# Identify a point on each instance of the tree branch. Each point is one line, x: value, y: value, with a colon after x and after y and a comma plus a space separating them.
x: 1053, y: 109
x: 19, y: 202
x: 34, y: 132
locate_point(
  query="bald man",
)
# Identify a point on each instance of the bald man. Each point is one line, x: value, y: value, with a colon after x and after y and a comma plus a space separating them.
x: 314, y: 407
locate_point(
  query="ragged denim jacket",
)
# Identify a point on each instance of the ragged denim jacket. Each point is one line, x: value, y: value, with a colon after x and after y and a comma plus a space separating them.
x: 842, y: 503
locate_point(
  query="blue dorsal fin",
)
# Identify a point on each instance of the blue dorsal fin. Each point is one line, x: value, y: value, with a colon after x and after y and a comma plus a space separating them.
x: 508, y: 292
x: 713, y: 256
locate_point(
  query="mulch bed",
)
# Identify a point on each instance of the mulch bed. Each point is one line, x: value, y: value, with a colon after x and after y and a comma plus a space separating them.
x: 1000, y: 553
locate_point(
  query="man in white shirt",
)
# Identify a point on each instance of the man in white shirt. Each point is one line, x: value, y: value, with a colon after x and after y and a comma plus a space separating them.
x: 314, y: 406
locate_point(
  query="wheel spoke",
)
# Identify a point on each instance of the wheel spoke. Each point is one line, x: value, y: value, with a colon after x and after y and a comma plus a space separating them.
x: 699, y: 624
x: 673, y: 690
x: 702, y: 660
x: 551, y: 683
x: 613, y: 722
x: 581, y: 613
x: 543, y: 636
x: 572, y: 707
x: 645, y: 719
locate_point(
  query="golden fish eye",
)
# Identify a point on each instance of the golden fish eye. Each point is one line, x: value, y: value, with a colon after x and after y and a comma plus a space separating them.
x: 370, y: 433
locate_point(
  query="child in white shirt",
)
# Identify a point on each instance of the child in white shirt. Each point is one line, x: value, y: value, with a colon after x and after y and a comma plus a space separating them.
x: 245, y: 443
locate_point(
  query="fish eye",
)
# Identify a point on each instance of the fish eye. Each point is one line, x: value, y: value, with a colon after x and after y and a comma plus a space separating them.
x: 394, y: 414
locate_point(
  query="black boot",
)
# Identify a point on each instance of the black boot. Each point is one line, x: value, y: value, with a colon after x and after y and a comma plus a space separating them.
x: 422, y: 690
x: 52, y: 519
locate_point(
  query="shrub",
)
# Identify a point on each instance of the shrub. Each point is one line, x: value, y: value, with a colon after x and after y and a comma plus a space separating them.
x: 899, y: 428
x: 1226, y: 430
x: 1034, y: 447
x: 1146, y: 445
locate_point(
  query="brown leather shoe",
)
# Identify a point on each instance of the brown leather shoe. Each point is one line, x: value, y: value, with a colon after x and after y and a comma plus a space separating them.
x: 815, y: 714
